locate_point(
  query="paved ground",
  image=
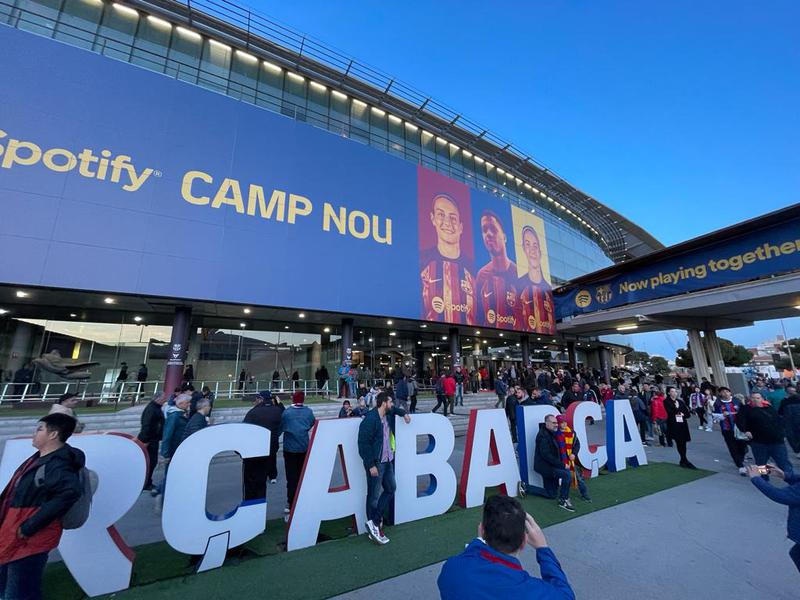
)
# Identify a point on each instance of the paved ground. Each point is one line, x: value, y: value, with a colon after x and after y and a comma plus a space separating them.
x: 714, y: 538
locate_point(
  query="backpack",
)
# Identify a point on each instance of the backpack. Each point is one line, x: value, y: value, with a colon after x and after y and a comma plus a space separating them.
x: 78, y: 513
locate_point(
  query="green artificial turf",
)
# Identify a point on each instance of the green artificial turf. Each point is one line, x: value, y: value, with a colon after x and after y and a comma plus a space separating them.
x: 346, y: 562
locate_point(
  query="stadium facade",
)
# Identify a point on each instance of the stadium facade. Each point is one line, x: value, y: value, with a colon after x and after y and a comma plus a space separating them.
x: 196, y: 184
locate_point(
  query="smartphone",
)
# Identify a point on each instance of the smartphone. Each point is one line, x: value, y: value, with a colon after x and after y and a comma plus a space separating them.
x: 764, y: 469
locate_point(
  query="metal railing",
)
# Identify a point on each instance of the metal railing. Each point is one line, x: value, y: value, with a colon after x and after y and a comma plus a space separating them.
x: 132, y: 392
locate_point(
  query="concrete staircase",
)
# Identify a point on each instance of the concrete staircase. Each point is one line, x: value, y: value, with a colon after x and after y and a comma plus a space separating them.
x: 128, y: 420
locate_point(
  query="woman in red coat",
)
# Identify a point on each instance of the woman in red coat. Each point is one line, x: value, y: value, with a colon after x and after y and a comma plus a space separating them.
x: 659, y: 416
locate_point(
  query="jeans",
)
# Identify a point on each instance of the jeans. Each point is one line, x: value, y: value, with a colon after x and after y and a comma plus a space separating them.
x: 501, y: 401
x: 451, y: 400
x: 565, y: 475
x: 460, y: 394
x: 737, y: 448
x: 380, y: 491
x: 413, y: 404
x: 649, y: 428
x: 22, y: 579
x: 763, y: 452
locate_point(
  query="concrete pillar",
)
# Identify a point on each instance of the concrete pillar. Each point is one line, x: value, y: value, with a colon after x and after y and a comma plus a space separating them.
x: 193, y: 344
x: 572, y: 359
x: 177, y: 348
x: 347, y: 347
x: 698, y: 354
x: 19, y: 353
x: 524, y: 344
x: 605, y: 364
x: 316, y: 357
x: 715, y: 357
x: 455, y: 348
x: 347, y: 341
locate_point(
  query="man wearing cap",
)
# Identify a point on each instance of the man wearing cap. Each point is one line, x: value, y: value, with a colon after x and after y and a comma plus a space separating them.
x: 266, y: 412
x: 296, y: 422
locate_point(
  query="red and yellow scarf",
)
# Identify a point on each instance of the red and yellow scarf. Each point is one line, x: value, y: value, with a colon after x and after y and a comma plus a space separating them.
x: 566, y: 439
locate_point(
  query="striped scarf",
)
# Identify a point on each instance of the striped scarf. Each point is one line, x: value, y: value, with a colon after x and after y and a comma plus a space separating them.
x: 565, y: 440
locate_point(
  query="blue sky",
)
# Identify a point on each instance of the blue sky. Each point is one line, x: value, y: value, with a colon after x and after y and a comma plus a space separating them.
x: 683, y: 116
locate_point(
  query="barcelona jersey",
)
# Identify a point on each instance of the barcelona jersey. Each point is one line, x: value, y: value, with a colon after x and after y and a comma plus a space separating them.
x: 498, y: 297
x: 448, y: 289
x: 536, y: 310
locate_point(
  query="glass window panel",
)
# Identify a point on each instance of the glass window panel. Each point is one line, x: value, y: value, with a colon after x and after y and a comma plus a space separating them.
x: 184, y: 55
x: 340, y: 114
x: 39, y: 16
x: 116, y: 33
x: 152, y: 44
x: 270, y: 87
x: 317, y: 110
x: 77, y: 23
x: 244, y: 77
x: 413, y: 147
x: 359, y: 121
x: 396, y: 140
x: 378, y: 134
x: 215, y: 66
x: 294, y: 96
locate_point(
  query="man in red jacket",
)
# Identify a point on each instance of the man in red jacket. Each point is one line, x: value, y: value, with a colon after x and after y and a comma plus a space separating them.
x: 449, y: 385
x: 32, y: 505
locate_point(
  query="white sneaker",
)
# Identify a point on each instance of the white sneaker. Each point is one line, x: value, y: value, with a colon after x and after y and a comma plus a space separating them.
x: 700, y: 428
x: 708, y: 428
x: 287, y: 510
x: 372, y: 530
x: 382, y: 539
x: 742, y: 471
x: 273, y: 481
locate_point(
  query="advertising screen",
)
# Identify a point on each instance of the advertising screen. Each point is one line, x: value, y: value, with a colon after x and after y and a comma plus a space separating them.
x: 117, y: 179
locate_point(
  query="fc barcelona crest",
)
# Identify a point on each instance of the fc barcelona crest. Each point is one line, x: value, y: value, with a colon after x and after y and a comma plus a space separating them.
x: 604, y: 294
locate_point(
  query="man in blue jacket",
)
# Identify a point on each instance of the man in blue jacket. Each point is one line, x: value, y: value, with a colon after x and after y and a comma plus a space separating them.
x: 376, y: 448
x: 489, y: 567
x: 296, y: 422
x: 790, y: 496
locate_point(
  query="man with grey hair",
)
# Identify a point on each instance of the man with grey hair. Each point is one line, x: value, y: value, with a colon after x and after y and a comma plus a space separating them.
x: 199, y: 420
x: 150, y: 433
x: 176, y: 419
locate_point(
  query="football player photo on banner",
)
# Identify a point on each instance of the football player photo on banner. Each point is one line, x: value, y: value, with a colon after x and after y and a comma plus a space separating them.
x: 447, y: 262
x: 497, y: 291
x: 536, y: 307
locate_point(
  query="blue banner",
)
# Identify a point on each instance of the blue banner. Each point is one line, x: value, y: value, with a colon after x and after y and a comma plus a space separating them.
x: 761, y: 253
x: 114, y: 178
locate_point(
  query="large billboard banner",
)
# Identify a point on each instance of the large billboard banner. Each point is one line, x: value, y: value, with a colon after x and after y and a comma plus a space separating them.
x: 117, y: 179
x: 759, y: 253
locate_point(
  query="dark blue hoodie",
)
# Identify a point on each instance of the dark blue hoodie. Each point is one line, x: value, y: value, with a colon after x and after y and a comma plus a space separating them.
x: 482, y: 573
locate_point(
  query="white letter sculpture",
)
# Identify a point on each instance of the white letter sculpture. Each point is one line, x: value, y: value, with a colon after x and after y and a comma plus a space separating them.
x: 314, y: 501
x: 622, y: 436
x: 438, y: 498
x: 528, y: 420
x: 95, y: 554
x: 488, y: 432
x: 592, y: 457
x: 186, y: 525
